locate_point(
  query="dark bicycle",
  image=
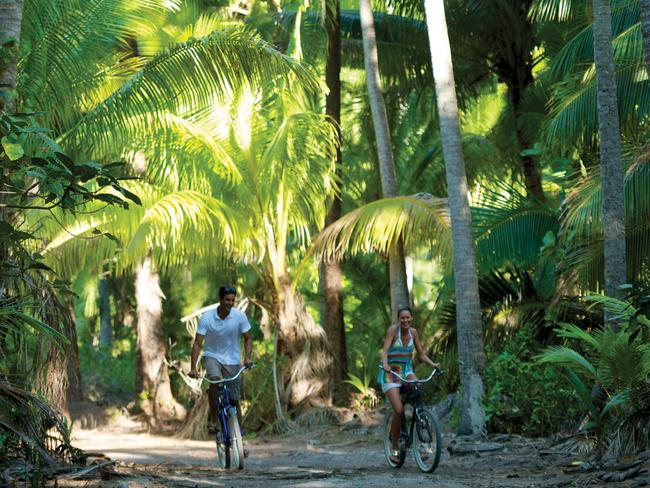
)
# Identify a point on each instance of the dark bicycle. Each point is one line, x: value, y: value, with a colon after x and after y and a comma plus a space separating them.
x: 423, y: 432
x: 230, y: 446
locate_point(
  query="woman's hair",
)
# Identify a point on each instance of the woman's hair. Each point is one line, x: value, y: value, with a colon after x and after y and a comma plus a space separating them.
x: 404, y: 309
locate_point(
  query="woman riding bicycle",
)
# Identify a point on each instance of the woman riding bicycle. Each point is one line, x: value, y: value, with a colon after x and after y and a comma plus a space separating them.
x: 397, y: 356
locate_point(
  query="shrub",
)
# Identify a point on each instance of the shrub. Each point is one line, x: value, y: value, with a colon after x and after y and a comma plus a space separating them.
x: 523, y: 396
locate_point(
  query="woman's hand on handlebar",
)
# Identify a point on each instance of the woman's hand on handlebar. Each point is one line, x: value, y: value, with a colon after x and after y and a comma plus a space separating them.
x: 193, y: 373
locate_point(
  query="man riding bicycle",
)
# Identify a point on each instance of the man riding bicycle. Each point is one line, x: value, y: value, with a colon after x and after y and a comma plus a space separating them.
x: 221, y: 329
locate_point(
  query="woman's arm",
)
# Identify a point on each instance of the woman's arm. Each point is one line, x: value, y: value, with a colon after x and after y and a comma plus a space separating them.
x: 390, y: 337
x: 421, y: 353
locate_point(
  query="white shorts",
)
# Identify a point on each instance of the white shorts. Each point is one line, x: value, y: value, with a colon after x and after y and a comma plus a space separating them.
x: 389, y: 386
x: 217, y: 371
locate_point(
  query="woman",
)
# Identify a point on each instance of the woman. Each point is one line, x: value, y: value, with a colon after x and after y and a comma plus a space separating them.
x: 397, y: 357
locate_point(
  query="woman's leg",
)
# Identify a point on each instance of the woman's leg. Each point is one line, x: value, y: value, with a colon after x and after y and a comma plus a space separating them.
x: 398, y: 410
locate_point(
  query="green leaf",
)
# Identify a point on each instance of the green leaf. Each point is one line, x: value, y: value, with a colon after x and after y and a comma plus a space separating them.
x: 530, y: 152
x: 38, y: 265
x: 13, y: 150
x: 615, y: 401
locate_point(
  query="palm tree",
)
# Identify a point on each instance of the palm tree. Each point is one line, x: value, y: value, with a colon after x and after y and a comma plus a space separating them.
x: 469, y: 326
x: 645, y: 25
x: 11, y: 14
x: 399, y: 295
x: 610, y: 152
x: 99, y: 101
x: 330, y: 273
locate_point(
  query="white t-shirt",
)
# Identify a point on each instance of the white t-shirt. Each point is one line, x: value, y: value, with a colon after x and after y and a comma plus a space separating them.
x: 222, y: 337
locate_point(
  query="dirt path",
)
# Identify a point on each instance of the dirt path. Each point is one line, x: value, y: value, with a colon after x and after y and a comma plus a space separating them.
x: 334, y: 457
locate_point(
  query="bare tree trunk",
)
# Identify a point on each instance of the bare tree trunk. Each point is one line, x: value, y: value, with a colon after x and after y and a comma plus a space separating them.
x: 644, y: 5
x: 398, y: 288
x: 330, y: 275
x: 11, y: 15
x: 105, y: 319
x: 75, y: 384
x: 530, y: 168
x: 61, y: 378
x: 471, y: 355
x: 157, y: 402
x: 307, y: 373
x: 611, y: 167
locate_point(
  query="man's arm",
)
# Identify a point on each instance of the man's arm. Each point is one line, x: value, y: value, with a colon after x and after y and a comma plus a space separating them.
x: 196, y: 352
x: 248, y: 348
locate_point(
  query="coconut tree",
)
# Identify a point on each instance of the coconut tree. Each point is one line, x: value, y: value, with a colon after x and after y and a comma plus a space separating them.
x: 98, y: 94
x: 469, y: 326
x: 610, y: 152
x: 644, y: 6
x: 11, y: 14
x: 330, y: 274
x: 397, y: 269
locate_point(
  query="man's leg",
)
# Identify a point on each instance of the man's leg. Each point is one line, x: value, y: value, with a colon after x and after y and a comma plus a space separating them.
x: 213, y: 368
x: 213, y: 400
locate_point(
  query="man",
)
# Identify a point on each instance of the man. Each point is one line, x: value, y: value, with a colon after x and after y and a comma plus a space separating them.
x: 221, y: 329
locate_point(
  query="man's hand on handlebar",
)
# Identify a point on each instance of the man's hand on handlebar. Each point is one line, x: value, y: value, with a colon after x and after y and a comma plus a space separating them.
x: 193, y: 373
x: 248, y: 364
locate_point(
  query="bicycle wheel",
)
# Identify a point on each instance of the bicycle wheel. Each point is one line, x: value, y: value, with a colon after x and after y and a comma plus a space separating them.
x: 223, y: 450
x: 237, y: 442
x: 427, y: 441
x: 388, y: 447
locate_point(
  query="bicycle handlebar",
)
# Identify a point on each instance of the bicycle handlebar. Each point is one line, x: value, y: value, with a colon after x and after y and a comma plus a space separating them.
x: 435, y: 372
x: 216, y: 382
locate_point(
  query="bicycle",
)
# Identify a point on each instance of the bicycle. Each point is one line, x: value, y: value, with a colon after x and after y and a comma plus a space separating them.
x: 428, y: 441
x: 228, y: 437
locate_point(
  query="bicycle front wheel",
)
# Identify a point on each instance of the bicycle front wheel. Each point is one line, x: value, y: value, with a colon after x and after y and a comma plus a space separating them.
x: 223, y: 450
x: 427, y: 442
x: 388, y: 449
x: 237, y: 442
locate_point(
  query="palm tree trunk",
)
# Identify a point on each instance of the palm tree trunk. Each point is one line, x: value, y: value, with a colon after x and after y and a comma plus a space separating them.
x: 330, y: 275
x: 398, y: 286
x: 530, y: 168
x: 105, y: 319
x: 306, y: 377
x: 611, y: 167
x: 152, y: 377
x: 471, y: 355
x: 645, y: 29
x: 11, y: 15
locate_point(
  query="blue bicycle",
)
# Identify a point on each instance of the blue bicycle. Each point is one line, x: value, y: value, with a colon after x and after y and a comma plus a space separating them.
x: 230, y: 446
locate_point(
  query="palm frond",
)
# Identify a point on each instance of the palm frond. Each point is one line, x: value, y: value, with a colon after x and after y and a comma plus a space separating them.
x: 509, y: 229
x: 189, y: 74
x: 374, y: 227
x: 565, y: 356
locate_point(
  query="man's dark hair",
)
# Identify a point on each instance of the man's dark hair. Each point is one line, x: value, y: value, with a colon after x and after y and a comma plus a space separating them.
x: 227, y: 290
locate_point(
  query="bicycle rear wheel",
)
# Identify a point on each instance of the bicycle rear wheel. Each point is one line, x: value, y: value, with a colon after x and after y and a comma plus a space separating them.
x: 237, y: 442
x: 427, y: 441
x: 388, y: 446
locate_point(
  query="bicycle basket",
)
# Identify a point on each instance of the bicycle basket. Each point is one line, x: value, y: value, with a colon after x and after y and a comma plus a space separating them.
x: 424, y: 429
x: 411, y: 391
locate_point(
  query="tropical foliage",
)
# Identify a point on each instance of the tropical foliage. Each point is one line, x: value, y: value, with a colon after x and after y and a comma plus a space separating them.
x: 191, y: 135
